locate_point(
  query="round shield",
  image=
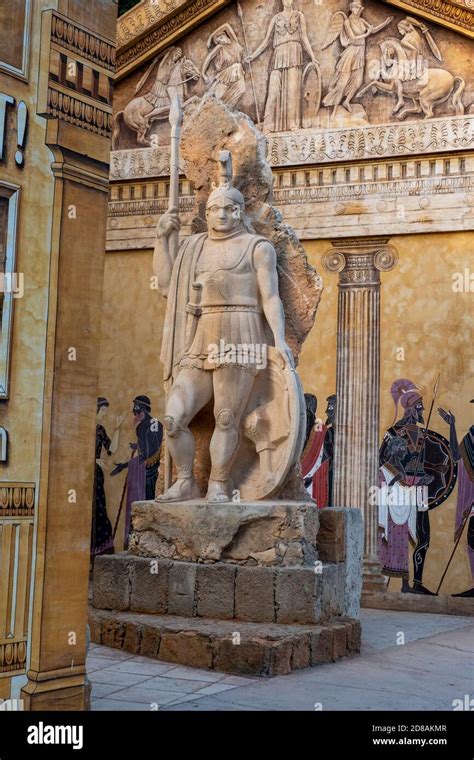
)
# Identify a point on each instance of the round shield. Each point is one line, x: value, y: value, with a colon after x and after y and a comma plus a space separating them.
x: 273, y: 431
x: 436, y: 461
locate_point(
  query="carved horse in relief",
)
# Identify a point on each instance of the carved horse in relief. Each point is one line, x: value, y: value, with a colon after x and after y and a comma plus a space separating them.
x: 174, y: 70
x: 427, y: 89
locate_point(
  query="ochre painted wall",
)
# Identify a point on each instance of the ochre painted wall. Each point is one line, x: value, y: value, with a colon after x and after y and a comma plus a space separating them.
x: 420, y: 313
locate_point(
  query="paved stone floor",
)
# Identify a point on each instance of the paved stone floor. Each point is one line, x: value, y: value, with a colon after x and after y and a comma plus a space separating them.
x: 434, y: 666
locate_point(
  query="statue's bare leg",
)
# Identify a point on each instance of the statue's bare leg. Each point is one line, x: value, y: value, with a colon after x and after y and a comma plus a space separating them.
x: 232, y: 389
x: 191, y: 391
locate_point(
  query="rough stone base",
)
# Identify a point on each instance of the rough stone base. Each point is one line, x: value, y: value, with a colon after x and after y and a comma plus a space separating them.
x: 256, y: 533
x: 395, y: 600
x: 232, y: 646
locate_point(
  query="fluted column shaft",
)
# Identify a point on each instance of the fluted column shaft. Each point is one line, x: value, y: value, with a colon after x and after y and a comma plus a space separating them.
x: 359, y: 263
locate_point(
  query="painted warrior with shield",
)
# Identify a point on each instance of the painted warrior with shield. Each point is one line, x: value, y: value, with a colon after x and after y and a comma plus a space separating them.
x: 427, y: 462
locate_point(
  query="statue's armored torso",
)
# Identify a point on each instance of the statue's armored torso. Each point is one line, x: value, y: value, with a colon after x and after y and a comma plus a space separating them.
x: 227, y: 308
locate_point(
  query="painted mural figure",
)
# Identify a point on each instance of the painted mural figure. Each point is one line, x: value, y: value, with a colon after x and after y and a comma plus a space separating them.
x: 287, y: 32
x: 399, y: 504
x: 352, y: 32
x: 102, y: 539
x: 225, y: 59
x: 408, y: 428
x: 317, y: 461
x: 464, y: 455
x: 142, y: 470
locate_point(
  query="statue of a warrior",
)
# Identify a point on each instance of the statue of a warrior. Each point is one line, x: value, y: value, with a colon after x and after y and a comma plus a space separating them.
x: 224, y: 315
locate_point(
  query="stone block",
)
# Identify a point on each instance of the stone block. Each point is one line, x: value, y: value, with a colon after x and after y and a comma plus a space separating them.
x: 354, y: 636
x: 132, y: 638
x: 297, y: 595
x: 254, y: 594
x: 150, y: 641
x: 280, y: 654
x: 186, y: 648
x: 339, y: 641
x: 354, y: 543
x: 149, y: 585
x: 215, y: 591
x: 181, y: 588
x: 113, y: 633
x: 95, y: 630
x: 111, y: 586
x: 301, y: 652
x: 321, y: 644
x: 331, y: 535
x: 250, y: 657
x: 332, y: 582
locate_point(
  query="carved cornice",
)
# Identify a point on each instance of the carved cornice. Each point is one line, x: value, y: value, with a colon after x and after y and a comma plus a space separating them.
x: 160, y: 34
x: 455, y: 15
x: 82, y: 42
x: 82, y: 98
x: 79, y: 112
x: 144, y: 15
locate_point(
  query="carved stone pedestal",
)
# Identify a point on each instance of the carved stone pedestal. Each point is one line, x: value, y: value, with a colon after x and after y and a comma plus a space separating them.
x: 251, y: 588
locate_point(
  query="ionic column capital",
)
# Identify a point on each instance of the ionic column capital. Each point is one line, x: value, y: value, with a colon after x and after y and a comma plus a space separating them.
x: 360, y: 261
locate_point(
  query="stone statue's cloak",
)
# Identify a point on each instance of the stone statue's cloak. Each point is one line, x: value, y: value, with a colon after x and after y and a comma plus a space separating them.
x: 176, y: 319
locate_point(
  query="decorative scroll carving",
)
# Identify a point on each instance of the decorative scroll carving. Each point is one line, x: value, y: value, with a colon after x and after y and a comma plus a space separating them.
x: 430, y: 136
x: 140, y: 163
x: 322, y: 146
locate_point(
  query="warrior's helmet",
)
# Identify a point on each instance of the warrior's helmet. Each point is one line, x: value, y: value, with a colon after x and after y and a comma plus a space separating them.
x: 406, y: 393
x: 226, y: 188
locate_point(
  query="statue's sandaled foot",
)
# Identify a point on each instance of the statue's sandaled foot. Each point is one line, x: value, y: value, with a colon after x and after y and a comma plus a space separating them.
x: 217, y: 492
x: 183, y: 489
x: 347, y: 106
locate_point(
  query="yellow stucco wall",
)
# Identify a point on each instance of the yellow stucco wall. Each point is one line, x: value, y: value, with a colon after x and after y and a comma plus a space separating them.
x: 420, y: 313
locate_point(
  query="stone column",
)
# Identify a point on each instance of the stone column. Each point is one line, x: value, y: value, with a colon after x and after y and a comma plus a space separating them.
x: 359, y: 263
